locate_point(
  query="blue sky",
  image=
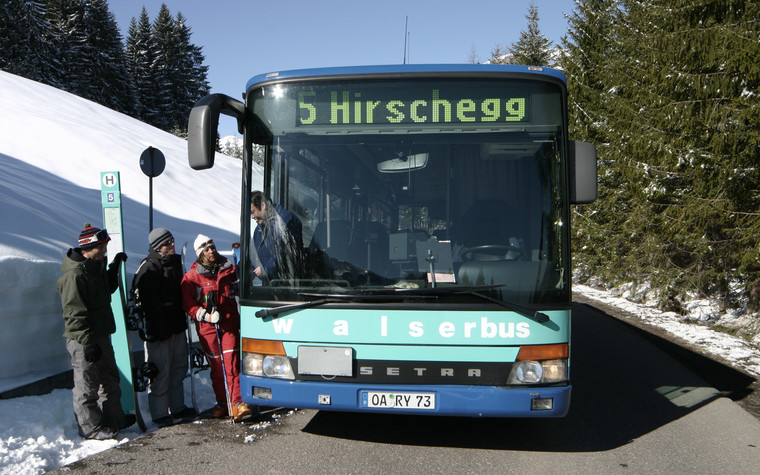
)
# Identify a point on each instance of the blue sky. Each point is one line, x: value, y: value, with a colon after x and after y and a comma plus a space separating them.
x: 243, y: 38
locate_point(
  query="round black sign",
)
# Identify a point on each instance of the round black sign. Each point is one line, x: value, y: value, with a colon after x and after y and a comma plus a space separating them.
x: 152, y: 162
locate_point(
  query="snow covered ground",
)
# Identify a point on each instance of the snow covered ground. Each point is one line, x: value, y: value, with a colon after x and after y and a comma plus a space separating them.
x: 53, y: 147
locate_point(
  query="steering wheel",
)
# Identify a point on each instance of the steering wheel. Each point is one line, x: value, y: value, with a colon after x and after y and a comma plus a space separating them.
x: 493, y: 252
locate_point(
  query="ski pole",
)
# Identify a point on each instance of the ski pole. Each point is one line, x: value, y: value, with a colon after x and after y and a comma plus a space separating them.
x: 190, y: 358
x: 224, y: 373
x: 190, y: 364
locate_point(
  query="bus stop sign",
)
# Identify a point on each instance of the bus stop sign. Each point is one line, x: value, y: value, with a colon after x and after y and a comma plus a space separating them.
x: 152, y: 162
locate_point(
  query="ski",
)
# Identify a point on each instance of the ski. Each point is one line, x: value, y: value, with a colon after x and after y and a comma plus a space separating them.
x: 139, y: 380
x: 235, y: 253
x: 112, y: 219
x: 195, y: 357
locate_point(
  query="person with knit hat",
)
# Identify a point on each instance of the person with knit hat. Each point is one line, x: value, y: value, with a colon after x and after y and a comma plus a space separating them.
x: 85, y: 288
x: 156, y: 287
x: 209, y: 289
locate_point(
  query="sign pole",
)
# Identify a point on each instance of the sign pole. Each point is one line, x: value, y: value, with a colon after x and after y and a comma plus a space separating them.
x: 152, y: 164
x: 150, y: 204
x: 110, y: 190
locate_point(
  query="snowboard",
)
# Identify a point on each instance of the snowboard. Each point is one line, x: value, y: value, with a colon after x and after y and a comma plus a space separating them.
x: 110, y: 189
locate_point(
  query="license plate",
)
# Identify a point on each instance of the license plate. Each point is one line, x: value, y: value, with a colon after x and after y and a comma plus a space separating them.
x: 325, y: 360
x: 395, y: 400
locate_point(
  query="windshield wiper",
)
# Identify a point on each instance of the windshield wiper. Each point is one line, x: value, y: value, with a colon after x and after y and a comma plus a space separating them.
x: 540, y: 317
x: 333, y: 298
x: 266, y: 312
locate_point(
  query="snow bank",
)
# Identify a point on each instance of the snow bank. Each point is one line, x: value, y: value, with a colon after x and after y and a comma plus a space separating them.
x: 53, y: 146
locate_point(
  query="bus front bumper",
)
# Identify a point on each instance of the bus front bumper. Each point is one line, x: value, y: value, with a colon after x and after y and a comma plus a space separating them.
x: 441, y: 400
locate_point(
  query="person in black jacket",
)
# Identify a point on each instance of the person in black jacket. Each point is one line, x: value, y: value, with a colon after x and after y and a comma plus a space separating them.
x: 85, y: 288
x: 157, y: 290
x: 277, y: 240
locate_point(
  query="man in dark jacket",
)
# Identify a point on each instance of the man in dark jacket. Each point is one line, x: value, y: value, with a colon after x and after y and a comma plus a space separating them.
x: 157, y: 288
x: 277, y: 240
x: 85, y: 289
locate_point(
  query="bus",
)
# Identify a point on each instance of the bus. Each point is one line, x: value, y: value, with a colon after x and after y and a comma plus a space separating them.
x: 432, y: 274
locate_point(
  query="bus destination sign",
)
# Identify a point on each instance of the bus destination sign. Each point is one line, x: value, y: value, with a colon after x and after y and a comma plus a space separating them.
x: 430, y: 107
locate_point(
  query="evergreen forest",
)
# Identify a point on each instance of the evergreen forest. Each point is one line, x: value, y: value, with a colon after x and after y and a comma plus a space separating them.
x: 668, y: 92
x: 156, y: 75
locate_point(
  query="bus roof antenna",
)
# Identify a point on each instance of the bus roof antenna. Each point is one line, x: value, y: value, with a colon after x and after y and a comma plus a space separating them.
x: 406, y: 35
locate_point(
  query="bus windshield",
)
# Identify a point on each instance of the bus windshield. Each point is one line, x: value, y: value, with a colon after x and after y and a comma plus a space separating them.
x: 411, y: 184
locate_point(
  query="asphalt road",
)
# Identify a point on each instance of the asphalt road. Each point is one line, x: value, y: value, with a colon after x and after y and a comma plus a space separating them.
x: 635, y: 409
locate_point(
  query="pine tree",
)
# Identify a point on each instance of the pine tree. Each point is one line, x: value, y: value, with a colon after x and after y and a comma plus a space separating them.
x: 139, y: 62
x: 75, y: 45
x: 68, y: 40
x: 24, y: 49
x: 677, y: 89
x: 177, y: 72
x: 163, y: 68
x: 584, y: 60
x: 686, y: 100
x: 586, y: 50
x: 190, y: 80
x: 532, y: 48
x: 104, y: 70
x: 499, y: 55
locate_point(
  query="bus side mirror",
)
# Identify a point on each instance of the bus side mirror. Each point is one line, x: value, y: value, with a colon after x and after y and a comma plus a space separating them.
x: 582, y: 166
x: 203, y: 124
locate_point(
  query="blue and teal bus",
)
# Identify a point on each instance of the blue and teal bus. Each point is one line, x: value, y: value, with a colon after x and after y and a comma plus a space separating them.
x: 434, y: 202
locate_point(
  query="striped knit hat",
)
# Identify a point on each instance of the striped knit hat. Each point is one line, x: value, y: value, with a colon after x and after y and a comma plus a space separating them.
x: 157, y: 237
x: 92, y: 237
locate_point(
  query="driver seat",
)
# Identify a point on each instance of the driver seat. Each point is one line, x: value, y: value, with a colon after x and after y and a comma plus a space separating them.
x: 513, y: 275
x: 487, y: 222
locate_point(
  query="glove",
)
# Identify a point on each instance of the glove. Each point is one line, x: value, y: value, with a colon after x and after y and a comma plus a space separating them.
x: 200, y: 315
x: 117, y: 260
x: 203, y: 316
x: 92, y: 353
x: 120, y: 257
x: 213, y: 317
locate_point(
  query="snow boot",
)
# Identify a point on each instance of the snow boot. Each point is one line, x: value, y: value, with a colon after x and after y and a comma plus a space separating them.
x: 129, y: 420
x: 240, y: 411
x: 102, y: 433
x: 219, y: 411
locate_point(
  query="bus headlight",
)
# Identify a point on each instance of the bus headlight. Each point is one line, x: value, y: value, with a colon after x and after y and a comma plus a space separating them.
x: 276, y: 366
x: 252, y: 363
x: 538, y: 372
x: 271, y: 366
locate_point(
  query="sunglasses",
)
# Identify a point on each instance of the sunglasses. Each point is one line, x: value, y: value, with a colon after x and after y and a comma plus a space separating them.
x: 170, y: 242
x: 101, y: 237
x: 209, y: 243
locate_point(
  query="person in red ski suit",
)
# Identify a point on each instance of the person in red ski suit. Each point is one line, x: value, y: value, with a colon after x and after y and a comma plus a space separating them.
x: 208, y: 296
